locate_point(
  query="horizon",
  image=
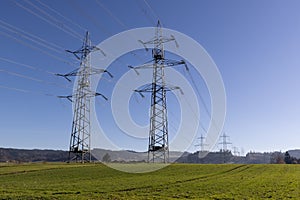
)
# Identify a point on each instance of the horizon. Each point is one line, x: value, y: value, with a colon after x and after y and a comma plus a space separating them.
x: 128, y: 150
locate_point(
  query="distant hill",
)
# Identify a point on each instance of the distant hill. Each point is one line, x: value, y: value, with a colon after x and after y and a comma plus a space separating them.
x: 120, y: 156
x: 128, y: 155
x: 295, y: 153
x: 37, y: 155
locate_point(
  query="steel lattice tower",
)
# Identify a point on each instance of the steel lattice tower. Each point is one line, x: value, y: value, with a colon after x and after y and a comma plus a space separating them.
x: 202, y: 144
x: 80, y: 142
x: 224, y: 142
x: 224, y: 149
x: 158, y: 149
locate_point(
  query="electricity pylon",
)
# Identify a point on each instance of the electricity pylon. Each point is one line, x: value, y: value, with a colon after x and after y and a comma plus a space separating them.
x: 224, y: 142
x: 236, y: 151
x: 158, y: 149
x: 80, y: 142
x: 202, y: 144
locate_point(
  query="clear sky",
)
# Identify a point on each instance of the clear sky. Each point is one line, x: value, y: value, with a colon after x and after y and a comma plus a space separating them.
x: 255, y: 44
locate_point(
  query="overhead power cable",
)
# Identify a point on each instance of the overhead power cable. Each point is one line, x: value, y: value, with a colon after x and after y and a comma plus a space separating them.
x: 36, y: 48
x: 111, y: 14
x: 86, y: 15
x: 25, y: 65
x: 56, y: 21
x: 31, y: 35
x: 153, y: 12
x: 56, y: 24
x: 30, y: 39
x: 144, y: 11
x: 33, y: 79
x: 61, y: 15
x: 25, y: 91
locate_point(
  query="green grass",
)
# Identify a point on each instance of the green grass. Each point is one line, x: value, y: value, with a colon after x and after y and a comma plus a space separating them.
x: 177, y: 181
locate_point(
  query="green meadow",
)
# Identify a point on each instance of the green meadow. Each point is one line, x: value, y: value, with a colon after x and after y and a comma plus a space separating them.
x: 176, y: 181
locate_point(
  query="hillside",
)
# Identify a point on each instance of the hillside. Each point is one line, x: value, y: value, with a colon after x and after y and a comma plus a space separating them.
x: 36, y: 155
x: 295, y: 153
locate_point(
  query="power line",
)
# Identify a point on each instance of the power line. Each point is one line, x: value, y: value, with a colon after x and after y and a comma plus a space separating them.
x: 86, y: 15
x: 34, y: 69
x: 152, y: 10
x: 196, y: 117
x: 199, y: 93
x: 119, y: 22
x: 30, y: 39
x: 61, y: 15
x: 21, y: 75
x: 36, y: 48
x: 14, y: 89
x: 25, y: 65
x: 144, y: 11
x: 56, y: 21
x: 25, y: 91
x: 32, y: 78
x: 31, y: 35
x: 48, y: 21
x: 111, y: 14
x: 202, y: 100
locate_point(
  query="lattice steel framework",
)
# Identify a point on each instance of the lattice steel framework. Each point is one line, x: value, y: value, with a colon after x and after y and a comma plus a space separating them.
x: 202, y: 143
x: 158, y: 148
x: 80, y: 142
x: 224, y: 149
x: 224, y: 142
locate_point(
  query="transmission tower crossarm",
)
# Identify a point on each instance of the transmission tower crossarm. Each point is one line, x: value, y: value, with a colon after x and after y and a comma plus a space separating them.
x: 172, y: 87
x: 171, y: 63
x: 164, y: 62
x: 155, y: 41
x: 143, y: 66
x: 99, y: 71
x: 69, y: 97
x: 158, y: 39
x: 66, y: 76
x: 99, y: 94
x: 149, y: 88
x: 76, y: 73
x: 82, y: 51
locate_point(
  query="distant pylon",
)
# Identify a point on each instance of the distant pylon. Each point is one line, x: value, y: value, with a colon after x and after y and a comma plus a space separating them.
x: 224, y: 142
x: 80, y: 142
x: 202, y: 143
x: 236, y: 151
x: 158, y: 148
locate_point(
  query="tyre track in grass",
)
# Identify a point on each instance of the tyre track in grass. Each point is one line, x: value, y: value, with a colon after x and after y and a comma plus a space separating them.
x: 241, y: 168
x: 40, y: 169
x: 227, y: 172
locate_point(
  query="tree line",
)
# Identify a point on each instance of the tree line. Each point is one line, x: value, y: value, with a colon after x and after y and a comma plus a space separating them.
x: 286, y: 158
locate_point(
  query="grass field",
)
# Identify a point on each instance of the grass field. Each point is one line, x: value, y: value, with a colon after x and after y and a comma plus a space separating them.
x: 177, y: 181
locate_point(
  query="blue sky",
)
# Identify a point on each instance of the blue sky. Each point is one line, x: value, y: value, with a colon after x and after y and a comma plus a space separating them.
x: 255, y: 45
